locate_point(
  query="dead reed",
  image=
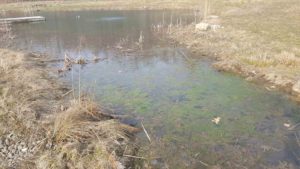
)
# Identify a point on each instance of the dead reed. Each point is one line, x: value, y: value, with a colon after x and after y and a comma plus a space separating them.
x: 6, y: 35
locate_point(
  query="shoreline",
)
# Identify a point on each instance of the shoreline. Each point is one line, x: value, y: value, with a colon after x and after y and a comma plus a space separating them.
x: 235, y: 50
x: 271, y: 80
x: 249, y: 45
x: 243, y: 47
x: 43, y: 127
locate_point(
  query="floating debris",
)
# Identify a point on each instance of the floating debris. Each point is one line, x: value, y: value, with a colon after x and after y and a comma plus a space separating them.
x: 287, y: 125
x: 216, y: 120
x: 96, y: 58
x: 81, y: 61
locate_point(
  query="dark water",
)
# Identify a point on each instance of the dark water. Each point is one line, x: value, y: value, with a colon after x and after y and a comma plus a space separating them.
x: 175, y: 96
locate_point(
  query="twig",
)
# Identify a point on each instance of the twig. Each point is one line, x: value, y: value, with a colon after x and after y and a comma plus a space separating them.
x: 95, y: 134
x: 203, y: 163
x: 184, y: 55
x: 67, y: 93
x: 297, y: 139
x: 134, y: 157
x: 146, y: 132
x: 124, y: 150
x: 294, y: 126
x: 53, y: 60
x: 79, y: 86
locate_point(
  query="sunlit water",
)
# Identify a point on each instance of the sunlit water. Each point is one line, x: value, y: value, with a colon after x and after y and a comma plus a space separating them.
x: 175, y: 97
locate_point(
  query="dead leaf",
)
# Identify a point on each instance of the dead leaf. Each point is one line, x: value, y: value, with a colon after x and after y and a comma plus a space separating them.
x: 287, y: 125
x: 216, y: 120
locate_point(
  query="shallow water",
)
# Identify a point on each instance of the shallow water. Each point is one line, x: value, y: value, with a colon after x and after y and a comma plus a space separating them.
x: 175, y: 97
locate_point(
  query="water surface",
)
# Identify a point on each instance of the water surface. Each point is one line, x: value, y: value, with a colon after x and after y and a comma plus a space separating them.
x: 174, y: 96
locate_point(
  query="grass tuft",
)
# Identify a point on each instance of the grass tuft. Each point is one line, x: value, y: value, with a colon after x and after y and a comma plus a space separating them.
x: 84, y: 137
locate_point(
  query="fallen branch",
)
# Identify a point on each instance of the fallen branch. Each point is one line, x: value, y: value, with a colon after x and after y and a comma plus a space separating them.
x: 146, y: 132
x: 294, y: 126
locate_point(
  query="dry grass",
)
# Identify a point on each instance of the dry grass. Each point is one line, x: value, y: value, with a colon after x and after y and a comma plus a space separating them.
x: 83, y: 137
x: 239, y: 45
x: 77, y: 134
x: 6, y: 35
x: 84, y: 120
x: 103, y: 4
x: 74, y: 5
x: 281, y: 59
x: 256, y: 41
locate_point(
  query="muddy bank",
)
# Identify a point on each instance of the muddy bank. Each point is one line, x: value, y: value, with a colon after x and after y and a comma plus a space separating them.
x: 44, y: 125
x: 244, y: 53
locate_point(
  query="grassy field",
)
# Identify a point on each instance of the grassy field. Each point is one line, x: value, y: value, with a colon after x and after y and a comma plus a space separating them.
x: 101, y: 4
x: 259, y: 40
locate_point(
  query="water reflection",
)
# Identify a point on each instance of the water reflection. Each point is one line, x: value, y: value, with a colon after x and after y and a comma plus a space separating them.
x: 175, y: 96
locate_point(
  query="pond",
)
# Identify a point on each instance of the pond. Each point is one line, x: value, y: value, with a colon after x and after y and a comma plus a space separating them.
x: 175, y: 94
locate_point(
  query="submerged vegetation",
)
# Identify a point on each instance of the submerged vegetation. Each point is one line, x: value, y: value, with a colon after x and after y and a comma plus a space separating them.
x: 44, y: 124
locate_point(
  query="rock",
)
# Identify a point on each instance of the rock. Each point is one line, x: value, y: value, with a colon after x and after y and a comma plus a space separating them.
x: 32, y: 150
x: 13, y: 151
x: 19, y: 147
x: 296, y: 87
x: 10, y: 148
x: 158, y: 163
x: 21, y: 154
x: 4, y: 150
x: 24, y: 150
x: 33, y: 143
x: 215, y: 27
x: 7, y: 142
x: 10, y: 155
x: 202, y: 26
x: 49, y: 145
x: 22, y: 144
